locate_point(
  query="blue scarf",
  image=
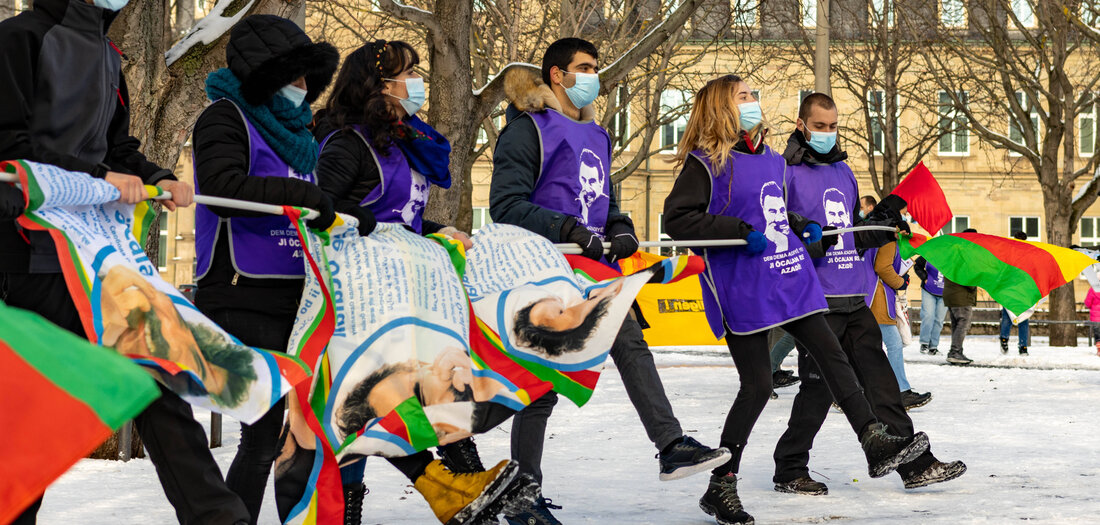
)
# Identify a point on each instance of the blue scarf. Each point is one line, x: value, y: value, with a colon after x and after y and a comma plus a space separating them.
x: 282, y: 125
x: 428, y: 152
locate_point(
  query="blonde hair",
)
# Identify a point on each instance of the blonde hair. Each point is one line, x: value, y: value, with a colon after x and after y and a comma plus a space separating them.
x: 715, y: 122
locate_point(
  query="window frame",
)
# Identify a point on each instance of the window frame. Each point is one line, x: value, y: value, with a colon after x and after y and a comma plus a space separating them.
x: 479, y: 214
x: 1081, y: 117
x: 962, y: 23
x: 1024, y: 101
x: 807, y: 9
x: 953, y: 115
x: 876, y: 6
x: 624, y: 112
x: 876, y: 113
x: 1038, y: 237
x: 954, y: 224
x: 1032, y: 21
x: 736, y: 14
x: 662, y: 236
x: 1094, y: 239
x: 676, y: 136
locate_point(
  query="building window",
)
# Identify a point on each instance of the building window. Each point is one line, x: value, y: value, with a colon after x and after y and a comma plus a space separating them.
x: 876, y: 104
x: 162, y: 247
x: 1024, y: 13
x: 674, y: 101
x: 882, y: 12
x: 482, y: 135
x: 1090, y: 13
x: 809, y: 13
x: 1090, y: 231
x: 953, y: 13
x: 1015, y: 132
x: 744, y: 12
x: 802, y: 94
x: 481, y: 219
x: 662, y: 236
x: 620, y: 121
x: 1086, y: 129
x: 1028, y: 225
x: 955, y: 138
x: 957, y: 224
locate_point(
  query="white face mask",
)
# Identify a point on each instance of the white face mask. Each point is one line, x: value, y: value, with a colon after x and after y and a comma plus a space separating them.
x: 294, y: 94
x: 113, y: 5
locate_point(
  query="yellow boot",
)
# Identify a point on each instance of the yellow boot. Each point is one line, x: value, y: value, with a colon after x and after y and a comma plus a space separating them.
x: 460, y: 498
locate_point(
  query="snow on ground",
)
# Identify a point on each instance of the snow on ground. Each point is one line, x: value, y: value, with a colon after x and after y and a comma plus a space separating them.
x: 1027, y: 428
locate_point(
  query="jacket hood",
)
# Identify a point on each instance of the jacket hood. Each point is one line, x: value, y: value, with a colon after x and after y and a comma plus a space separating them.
x: 800, y: 152
x: 525, y: 90
x: 77, y: 14
x: 267, y: 52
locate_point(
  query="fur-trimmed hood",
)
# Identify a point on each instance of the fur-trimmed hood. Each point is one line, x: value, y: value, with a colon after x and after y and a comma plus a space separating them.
x: 267, y: 52
x: 525, y: 90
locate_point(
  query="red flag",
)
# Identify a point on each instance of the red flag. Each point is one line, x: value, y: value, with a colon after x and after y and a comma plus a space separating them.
x: 925, y: 199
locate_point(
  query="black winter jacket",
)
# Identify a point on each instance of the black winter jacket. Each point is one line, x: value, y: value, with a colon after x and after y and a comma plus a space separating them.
x: 63, y: 101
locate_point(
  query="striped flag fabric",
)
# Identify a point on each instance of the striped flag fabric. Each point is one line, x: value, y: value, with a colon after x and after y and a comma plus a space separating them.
x: 922, y: 195
x: 60, y: 397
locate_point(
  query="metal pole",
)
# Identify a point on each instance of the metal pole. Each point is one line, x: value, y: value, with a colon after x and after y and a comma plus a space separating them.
x: 822, y: 62
x: 215, y: 430
x: 573, y: 249
x: 125, y: 440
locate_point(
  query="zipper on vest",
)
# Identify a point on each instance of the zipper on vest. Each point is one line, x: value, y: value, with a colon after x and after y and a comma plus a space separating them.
x: 235, y: 277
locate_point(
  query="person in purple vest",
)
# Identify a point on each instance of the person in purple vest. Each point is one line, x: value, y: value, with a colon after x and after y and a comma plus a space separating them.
x: 552, y: 175
x: 932, y: 309
x: 726, y: 190
x: 377, y: 162
x: 253, y: 143
x: 819, y: 185
x: 886, y: 262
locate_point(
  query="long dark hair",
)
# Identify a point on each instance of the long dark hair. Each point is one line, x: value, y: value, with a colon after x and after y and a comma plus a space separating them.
x: 357, y: 93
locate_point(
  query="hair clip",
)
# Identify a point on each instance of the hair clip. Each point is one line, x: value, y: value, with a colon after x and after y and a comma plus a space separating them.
x: 378, y: 57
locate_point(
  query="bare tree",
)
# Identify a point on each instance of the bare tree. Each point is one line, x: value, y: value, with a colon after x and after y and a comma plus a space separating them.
x: 1022, y: 74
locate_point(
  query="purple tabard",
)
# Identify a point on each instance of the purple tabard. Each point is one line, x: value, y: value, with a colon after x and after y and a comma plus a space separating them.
x: 749, y: 293
x: 264, y: 247
x: 827, y: 194
x: 890, y: 293
x: 401, y: 194
x: 934, y: 283
x: 575, y: 179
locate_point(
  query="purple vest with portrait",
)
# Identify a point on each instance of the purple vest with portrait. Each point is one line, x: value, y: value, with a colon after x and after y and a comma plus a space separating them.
x: 934, y: 283
x: 401, y: 193
x: 890, y: 293
x: 749, y: 293
x: 575, y: 178
x: 827, y: 194
x: 264, y: 247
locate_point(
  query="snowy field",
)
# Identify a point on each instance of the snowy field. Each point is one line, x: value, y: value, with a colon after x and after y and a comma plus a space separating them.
x: 1027, y: 428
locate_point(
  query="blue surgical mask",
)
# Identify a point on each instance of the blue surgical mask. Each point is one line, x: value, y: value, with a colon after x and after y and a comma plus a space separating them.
x: 417, y: 95
x: 294, y: 94
x: 862, y: 214
x: 751, y: 115
x: 584, y: 90
x: 821, y: 141
x: 113, y: 5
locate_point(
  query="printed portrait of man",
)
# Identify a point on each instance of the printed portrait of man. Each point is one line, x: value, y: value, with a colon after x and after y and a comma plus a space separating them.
x: 418, y: 197
x: 836, y: 213
x: 448, y: 379
x: 551, y: 328
x: 592, y: 179
x: 775, y: 213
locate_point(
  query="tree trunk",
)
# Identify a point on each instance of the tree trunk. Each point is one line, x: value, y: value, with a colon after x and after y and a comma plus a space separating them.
x: 1063, y: 303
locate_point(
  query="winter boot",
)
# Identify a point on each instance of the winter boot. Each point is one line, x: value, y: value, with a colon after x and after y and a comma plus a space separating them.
x: 885, y: 451
x: 911, y: 399
x: 933, y: 351
x: 687, y: 456
x: 459, y: 499
x: 353, y: 503
x: 1004, y: 345
x: 783, y: 379
x: 803, y: 485
x: 722, y: 502
x: 923, y: 348
x: 461, y: 457
x: 937, y: 472
x: 1023, y: 350
x: 956, y: 357
x: 538, y: 513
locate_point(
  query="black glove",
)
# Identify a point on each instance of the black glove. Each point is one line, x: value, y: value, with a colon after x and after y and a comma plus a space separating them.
x: 327, y: 214
x: 828, y: 241
x: 905, y: 285
x: 589, y: 242
x: 623, y: 241
x: 904, y: 227
x: 367, y: 222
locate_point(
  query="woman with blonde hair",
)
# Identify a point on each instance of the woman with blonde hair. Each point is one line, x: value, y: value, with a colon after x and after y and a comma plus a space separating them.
x: 731, y: 186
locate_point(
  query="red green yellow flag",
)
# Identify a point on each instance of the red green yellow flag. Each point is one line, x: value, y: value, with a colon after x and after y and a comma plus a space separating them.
x: 60, y: 397
x: 1017, y: 274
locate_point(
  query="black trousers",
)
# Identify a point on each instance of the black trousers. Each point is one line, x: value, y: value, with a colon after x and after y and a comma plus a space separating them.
x: 861, y: 339
x: 752, y: 357
x: 176, y: 443
x: 259, y: 445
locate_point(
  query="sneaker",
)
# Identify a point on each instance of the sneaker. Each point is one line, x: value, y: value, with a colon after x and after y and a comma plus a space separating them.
x: 458, y: 499
x: 774, y: 395
x: 923, y: 348
x: 1004, y: 345
x: 956, y: 357
x: 783, y: 379
x: 461, y: 457
x: 538, y: 513
x: 911, y: 399
x: 937, y: 472
x: 687, y: 456
x: 803, y: 485
x: 722, y: 502
x: 1023, y: 350
x: 885, y: 451
x: 353, y: 503
x: 933, y: 351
